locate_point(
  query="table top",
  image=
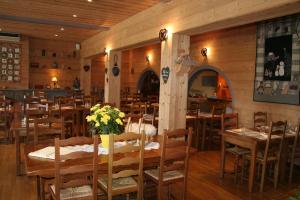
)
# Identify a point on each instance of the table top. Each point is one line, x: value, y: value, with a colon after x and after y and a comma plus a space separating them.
x: 45, y: 167
x: 251, y: 134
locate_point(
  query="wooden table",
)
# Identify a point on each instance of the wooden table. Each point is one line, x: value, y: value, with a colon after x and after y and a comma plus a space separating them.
x: 248, y: 142
x: 45, y: 168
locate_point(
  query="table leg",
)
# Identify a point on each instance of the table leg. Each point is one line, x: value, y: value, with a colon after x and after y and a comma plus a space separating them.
x: 252, y: 168
x: 197, y: 133
x: 18, y: 152
x: 203, y: 134
x: 223, y: 157
x: 38, y: 187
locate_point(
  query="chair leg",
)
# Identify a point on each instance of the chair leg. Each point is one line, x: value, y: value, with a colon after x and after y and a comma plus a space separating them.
x: 291, y: 171
x: 236, y: 165
x: 262, y: 181
x: 159, y: 192
x: 276, y: 174
x: 169, y: 193
x: 127, y: 197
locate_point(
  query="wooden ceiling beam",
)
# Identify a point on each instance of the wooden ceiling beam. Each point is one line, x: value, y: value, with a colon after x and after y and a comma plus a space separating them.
x: 52, y: 22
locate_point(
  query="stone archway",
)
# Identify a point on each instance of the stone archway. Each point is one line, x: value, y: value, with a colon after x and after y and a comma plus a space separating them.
x: 148, y: 83
x: 200, y: 69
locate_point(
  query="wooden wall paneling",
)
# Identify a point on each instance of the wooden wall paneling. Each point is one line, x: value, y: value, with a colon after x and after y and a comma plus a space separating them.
x: 98, y: 72
x: 233, y: 52
x: 67, y: 58
x: 136, y: 59
x: 173, y: 93
x: 85, y: 76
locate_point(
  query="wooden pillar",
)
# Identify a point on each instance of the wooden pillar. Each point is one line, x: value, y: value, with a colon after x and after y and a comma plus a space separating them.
x: 85, y: 76
x: 173, y: 93
x: 112, y: 82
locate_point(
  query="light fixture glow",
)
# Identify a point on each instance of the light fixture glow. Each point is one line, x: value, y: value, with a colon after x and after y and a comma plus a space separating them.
x: 74, y: 16
x: 62, y: 28
x: 55, y: 35
x: 89, y: 0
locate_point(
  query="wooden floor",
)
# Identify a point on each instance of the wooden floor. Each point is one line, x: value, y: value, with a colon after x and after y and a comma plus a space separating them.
x: 203, y: 182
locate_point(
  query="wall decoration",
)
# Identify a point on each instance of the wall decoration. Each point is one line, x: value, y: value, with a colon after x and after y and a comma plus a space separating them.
x: 10, y: 58
x: 115, y: 69
x: 278, y: 61
x: 165, y: 73
x: 86, y: 68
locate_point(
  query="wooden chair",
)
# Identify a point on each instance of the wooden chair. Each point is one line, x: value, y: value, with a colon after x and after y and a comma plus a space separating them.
x: 4, y: 116
x: 272, y: 151
x: 73, y: 180
x: 295, y: 152
x: 259, y: 119
x: 134, y: 118
x: 30, y: 116
x: 48, y: 128
x: 230, y: 121
x: 214, y: 124
x: 173, y: 162
x: 138, y: 108
x: 124, y: 169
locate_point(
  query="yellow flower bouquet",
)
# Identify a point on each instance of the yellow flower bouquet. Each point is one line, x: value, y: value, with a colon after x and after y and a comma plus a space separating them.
x: 106, y: 120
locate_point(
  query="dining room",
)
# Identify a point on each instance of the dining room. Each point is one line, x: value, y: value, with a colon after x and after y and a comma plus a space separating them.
x: 153, y: 99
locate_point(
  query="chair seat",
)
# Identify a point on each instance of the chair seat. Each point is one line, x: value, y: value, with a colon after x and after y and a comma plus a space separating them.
x: 74, y: 192
x: 119, y: 183
x: 237, y: 150
x: 167, y: 176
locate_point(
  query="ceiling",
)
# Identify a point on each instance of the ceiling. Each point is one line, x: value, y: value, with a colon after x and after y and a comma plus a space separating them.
x: 45, y: 18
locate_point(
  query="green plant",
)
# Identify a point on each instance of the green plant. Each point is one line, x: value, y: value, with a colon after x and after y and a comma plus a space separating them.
x: 296, y: 196
x: 106, y: 120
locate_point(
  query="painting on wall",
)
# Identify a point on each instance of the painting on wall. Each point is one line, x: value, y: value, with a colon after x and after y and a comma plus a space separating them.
x: 10, y: 62
x: 278, y: 58
x: 277, y: 69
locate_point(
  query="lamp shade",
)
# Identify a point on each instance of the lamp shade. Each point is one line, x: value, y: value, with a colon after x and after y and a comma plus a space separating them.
x: 54, y: 79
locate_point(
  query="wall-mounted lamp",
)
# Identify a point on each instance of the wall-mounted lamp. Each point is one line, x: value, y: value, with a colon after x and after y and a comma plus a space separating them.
x: 163, y: 34
x: 148, y: 59
x: 204, y: 52
x: 105, y: 51
x: 54, y: 80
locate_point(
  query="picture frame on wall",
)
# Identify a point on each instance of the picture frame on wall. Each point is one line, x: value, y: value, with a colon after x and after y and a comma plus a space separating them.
x: 277, y: 61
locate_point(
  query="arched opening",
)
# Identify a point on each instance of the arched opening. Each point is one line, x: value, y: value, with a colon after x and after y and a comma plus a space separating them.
x: 148, y: 83
x: 208, y: 84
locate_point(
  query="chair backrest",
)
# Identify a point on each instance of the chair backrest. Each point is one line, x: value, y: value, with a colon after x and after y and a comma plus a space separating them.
x: 259, y: 119
x: 138, y: 108
x: 134, y: 118
x: 148, y: 119
x: 48, y: 127
x: 217, y: 111
x: 296, y: 141
x: 3, y: 109
x: 229, y: 121
x: 130, y: 163
x: 175, y: 152
x: 69, y: 169
x: 275, y: 139
x: 31, y: 115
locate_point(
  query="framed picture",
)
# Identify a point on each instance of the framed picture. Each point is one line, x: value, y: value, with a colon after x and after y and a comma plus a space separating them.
x: 277, y: 71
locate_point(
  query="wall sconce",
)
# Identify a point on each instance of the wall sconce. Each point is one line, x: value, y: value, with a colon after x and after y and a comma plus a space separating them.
x: 148, y: 59
x: 54, y: 80
x: 204, y: 52
x: 163, y: 34
x: 105, y: 51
